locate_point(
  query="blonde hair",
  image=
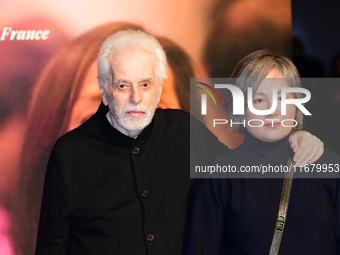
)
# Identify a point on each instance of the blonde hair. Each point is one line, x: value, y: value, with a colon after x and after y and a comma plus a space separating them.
x: 251, y: 71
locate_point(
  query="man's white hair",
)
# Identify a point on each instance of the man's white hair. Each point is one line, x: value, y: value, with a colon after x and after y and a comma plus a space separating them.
x: 125, y: 40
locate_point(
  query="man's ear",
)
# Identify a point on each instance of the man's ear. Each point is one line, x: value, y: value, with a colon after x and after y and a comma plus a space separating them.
x: 103, y: 93
x: 160, y: 93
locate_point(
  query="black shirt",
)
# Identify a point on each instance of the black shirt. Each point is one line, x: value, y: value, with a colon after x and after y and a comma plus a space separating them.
x: 237, y: 216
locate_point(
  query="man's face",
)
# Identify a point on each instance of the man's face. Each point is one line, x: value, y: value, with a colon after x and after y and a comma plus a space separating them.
x: 135, y: 91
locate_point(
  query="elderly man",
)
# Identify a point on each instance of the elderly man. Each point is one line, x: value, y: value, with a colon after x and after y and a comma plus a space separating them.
x: 118, y: 184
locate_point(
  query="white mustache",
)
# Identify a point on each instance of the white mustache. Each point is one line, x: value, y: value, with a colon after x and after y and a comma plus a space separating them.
x: 138, y: 108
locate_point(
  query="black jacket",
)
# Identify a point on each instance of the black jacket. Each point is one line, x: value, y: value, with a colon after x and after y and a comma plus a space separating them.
x: 107, y: 193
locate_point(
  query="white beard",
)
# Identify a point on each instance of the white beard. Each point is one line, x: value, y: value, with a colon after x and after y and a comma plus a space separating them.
x: 132, y: 125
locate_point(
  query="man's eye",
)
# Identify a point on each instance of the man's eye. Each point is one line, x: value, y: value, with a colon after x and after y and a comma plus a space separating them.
x: 145, y: 85
x: 122, y: 86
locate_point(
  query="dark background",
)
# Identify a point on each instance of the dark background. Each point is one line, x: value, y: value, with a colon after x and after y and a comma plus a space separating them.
x: 316, y: 25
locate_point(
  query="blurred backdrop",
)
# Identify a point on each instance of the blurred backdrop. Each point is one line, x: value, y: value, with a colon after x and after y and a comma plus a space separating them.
x: 48, y: 75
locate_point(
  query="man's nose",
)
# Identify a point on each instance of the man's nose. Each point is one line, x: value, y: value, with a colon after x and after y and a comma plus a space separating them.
x: 136, y: 96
